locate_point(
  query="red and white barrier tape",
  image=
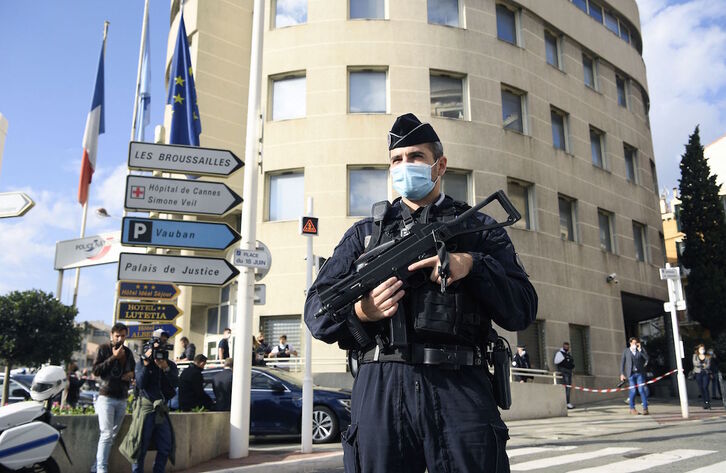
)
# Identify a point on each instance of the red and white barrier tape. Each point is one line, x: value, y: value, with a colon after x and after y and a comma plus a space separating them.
x: 614, y: 390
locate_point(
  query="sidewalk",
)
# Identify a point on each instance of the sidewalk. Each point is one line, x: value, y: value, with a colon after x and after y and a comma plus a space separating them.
x: 593, y: 420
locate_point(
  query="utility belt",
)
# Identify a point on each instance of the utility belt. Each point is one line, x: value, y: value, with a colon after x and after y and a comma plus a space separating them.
x: 445, y: 356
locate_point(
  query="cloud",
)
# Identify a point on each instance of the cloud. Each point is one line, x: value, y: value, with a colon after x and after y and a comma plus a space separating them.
x: 684, y: 48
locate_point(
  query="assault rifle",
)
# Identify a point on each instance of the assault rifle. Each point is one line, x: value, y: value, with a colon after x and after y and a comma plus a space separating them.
x: 394, y: 257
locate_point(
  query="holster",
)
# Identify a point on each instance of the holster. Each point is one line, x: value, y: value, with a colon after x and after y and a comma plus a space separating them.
x: 500, y: 358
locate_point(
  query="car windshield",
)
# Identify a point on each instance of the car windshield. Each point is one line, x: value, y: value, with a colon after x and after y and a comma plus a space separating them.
x: 285, y: 376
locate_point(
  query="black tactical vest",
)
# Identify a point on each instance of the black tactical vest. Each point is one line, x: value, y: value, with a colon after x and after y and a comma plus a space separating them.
x: 453, y: 317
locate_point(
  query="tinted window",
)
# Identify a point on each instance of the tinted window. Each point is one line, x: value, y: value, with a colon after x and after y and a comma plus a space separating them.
x: 566, y: 224
x: 518, y: 193
x: 558, y: 130
x: 512, y: 111
x: 622, y: 98
x: 581, y: 4
x: 443, y: 12
x: 506, y: 25
x: 605, y: 234
x: 456, y: 185
x: 629, y: 163
x: 447, y: 96
x: 596, y: 147
x: 588, y: 67
x: 372, y: 9
x: 551, y: 50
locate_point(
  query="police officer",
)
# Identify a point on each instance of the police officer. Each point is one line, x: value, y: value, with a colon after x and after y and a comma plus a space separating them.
x: 428, y: 402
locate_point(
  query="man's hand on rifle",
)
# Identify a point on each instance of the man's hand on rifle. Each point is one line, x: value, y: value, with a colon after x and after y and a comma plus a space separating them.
x: 460, y: 265
x: 381, y: 302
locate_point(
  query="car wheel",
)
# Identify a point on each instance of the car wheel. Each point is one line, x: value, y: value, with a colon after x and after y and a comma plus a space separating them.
x: 325, y: 425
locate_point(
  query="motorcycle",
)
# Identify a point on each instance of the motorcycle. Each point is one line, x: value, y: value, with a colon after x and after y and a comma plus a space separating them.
x: 27, y: 433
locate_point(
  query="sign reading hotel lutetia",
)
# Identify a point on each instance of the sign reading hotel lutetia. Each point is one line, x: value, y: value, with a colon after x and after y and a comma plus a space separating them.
x: 187, y: 270
x: 179, y: 196
x: 148, y: 311
x: 182, y: 159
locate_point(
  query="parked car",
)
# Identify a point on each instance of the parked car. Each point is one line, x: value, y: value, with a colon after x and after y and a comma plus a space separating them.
x: 19, y: 387
x: 276, y: 405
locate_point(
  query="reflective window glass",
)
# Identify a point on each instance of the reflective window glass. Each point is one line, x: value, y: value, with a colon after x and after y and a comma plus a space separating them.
x: 447, y: 96
x: 506, y: 24
x: 288, y: 98
x: 366, y: 187
x: 443, y: 12
x: 512, y: 111
x: 367, y: 92
x: 287, y: 195
x: 558, y: 130
x: 456, y: 185
x: 367, y: 9
x: 290, y: 12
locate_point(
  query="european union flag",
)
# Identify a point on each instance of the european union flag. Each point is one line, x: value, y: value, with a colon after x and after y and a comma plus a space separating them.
x: 185, y: 123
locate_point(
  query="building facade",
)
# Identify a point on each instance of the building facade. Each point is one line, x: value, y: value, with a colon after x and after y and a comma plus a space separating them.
x: 545, y: 100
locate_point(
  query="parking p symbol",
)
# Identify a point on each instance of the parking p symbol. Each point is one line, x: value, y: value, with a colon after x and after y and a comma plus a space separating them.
x: 139, y: 231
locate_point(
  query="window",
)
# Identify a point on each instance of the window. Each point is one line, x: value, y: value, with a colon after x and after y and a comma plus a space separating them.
x: 367, y: 9
x: 513, y: 108
x: 366, y: 186
x: 639, y: 240
x: 287, y: 193
x: 589, y: 71
x: 622, y: 96
x: 533, y: 338
x: 274, y: 326
x: 455, y: 184
x: 597, y: 139
x: 646, y: 103
x: 443, y: 12
x: 367, y: 91
x: 662, y: 247
x: 506, y: 24
x: 624, y: 33
x: 520, y: 193
x: 262, y: 382
x: 288, y: 98
x: 213, y: 320
x: 605, y: 222
x: 581, y: 4
x: 654, y: 175
x: 596, y: 12
x: 559, y: 129
x: 611, y: 23
x: 290, y: 12
x: 580, y: 348
x: 567, y: 218
x: 447, y: 95
x: 552, y: 49
x: 631, y: 166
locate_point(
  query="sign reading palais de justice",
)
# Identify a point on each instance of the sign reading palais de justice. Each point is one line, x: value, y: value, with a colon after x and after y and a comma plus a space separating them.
x: 147, y: 290
x: 182, y: 159
x: 179, y: 196
x: 145, y: 331
x: 177, y: 234
x: 148, y: 311
x: 190, y: 270
x: 90, y: 251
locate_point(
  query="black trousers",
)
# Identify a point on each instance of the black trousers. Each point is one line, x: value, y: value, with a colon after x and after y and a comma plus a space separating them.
x: 409, y: 418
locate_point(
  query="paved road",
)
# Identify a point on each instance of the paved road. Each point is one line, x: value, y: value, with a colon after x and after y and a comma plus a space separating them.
x: 679, y: 448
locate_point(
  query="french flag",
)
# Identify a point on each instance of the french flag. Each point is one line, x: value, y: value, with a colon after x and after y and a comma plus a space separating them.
x: 94, y: 127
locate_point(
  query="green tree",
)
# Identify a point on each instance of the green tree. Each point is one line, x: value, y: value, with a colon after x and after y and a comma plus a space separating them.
x: 702, y: 221
x: 36, y: 329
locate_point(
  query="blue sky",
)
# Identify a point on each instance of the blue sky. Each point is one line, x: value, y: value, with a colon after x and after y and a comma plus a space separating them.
x: 47, y: 71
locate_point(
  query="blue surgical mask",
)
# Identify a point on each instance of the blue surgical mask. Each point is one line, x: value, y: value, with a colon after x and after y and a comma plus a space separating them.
x: 413, y: 180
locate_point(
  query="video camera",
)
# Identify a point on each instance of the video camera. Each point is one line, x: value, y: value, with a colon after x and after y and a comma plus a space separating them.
x: 159, y: 349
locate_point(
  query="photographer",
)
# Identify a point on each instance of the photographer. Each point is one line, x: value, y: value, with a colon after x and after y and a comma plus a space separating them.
x: 114, y: 369
x: 156, y: 380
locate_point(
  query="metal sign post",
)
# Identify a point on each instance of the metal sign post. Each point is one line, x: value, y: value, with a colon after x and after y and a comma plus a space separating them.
x: 676, y: 302
x: 307, y: 393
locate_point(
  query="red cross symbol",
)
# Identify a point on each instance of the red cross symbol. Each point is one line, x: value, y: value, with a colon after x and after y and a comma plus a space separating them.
x: 137, y: 192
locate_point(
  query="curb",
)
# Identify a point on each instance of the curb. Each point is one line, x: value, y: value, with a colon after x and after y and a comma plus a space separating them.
x: 326, y: 460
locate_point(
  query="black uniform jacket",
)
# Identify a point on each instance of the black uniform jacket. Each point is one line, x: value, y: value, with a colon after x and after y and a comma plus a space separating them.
x: 222, y: 384
x: 497, y: 280
x: 191, y: 389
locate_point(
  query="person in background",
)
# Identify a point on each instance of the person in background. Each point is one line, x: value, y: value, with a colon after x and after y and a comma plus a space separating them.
x: 632, y: 368
x: 74, y: 385
x: 191, y: 386
x: 222, y: 384
x: 261, y: 350
x: 189, y: 350
x: 113, y: 368
x: 702, y: 369
x: 565, y: 364
x: 521, y: 360
x: 223, y: 345
x: 715, y: 381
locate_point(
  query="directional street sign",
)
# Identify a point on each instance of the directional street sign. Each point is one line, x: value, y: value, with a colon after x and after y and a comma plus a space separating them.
x: 670, y: 273
x: 188, y: 270
x: 148, y: 311
x: 90, y: 251
x: 14, y: 204
x: 182, y: 159
x: 252, y: 258
x: 145, y: 331
x: 147, y: 290
x: 181, y: 196
x: 177, y: 234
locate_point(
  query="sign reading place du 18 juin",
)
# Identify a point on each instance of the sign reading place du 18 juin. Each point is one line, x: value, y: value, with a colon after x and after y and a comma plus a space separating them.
x: 182, y: 159
x: 179, y: 196
x: 187, y: 270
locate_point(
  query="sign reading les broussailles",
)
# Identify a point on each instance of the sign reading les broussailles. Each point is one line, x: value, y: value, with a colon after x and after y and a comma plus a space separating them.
x: 177, y: 234
x: 147, y: 290
x: 188, y: 270
x: 179, y: 196
x: 148, y: 311
x: 182, y: 159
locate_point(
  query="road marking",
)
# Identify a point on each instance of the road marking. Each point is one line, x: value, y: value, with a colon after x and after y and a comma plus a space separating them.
x: 715, y: 468
x: 646, y: 462
x: 571, y: 458
x: 532, y: 450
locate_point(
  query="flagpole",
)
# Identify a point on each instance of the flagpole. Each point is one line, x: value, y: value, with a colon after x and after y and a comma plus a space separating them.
x: 84, y: 218
x: 134, y: 120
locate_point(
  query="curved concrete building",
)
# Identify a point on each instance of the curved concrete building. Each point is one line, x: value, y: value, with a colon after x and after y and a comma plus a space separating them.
x: 546, y: 100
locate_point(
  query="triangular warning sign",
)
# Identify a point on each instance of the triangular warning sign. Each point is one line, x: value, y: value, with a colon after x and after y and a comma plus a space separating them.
x: 310, y: 227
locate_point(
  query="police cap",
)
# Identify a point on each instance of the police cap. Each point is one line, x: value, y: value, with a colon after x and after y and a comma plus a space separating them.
x: 408, y: 130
